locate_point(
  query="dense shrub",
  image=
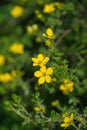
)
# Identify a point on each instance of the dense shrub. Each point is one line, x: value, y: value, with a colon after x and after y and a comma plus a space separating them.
x: 43, y: 50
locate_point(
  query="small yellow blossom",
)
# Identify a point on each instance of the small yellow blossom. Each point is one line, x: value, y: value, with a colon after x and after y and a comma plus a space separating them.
x: 44, y: 75
x: 35, y: 27
x: 80, y: 119
x: 40, y: 109
x: 37, y: 11
x: 48, y: 42
x: 38, y: 14
x: 6, y: 77
x: 38, y: 39
x: 68, y: 120
x: 49, y: 8
x: 16, y: 74
x: 60, y: 5
x: 49, y: 33
x: 17, y: 11
x: 41, y: 60
x: 67, y: 86
x: 32, y: 29
x: 64, y: 115
x: 17, y: 48
x: 2, y: 60
x: 37, y: 109
x: 55, y: 103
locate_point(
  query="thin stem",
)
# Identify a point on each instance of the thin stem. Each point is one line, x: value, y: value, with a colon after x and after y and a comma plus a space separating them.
x: 62, y: 36
x: 75, y: 127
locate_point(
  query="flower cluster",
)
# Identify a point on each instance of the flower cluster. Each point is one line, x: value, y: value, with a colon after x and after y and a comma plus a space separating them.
x: 17, y: 48
x: 68, y: 120
x: 49, y: 33
x: 8, y: 77
x: 55, y: 103
x: 40, y: 109
x: 67, y: 86
x: 41, y: 60
x: 38, y: 14
x: 32, y: 29
x: 49, y: 8
x: 44, y: 74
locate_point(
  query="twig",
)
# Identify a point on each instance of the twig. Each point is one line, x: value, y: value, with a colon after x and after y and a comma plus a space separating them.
x: 62, y: 36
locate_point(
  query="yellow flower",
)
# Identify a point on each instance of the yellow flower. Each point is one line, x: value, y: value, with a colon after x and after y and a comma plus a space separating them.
x: 80, y: 119
x: 17, y: 11
x: 32, y: 29
x: 17, y: 48
x: 48, y: 42
x: 38, y: 14
x: 48, y: 8
x: 6, y: 77
x: 37, y: 109
x: 35, y: 27
x: 68, y: 120
x: 38, y: 39
x: 49, y: 33
x: 40, y: 108
x: 55, y: 103
x: 29, y: 30
x: 67, y: 86
x: 41, y: 60
x: 44, y: 74
x: 2, y: 60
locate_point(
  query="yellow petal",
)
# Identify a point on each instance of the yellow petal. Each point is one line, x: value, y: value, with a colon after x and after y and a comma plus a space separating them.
x: 38, y: 74
x: 44, y: 35
x: 71, y: 116
x: 48, y: 79
x: 63, y: 89
x: 49, y: 32
x: 45, y: 60
x: 41, y: 80
x: 35, y: 60
x: 49, y: 71
x: 43, y: 69
x: 35, y: 64
x: 66, y: 119
x: 40, y: 57
x: 63, y: 125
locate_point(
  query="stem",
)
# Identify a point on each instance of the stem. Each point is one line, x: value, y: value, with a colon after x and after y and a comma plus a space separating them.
x: 75, y: 127
x: 62, y: 36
